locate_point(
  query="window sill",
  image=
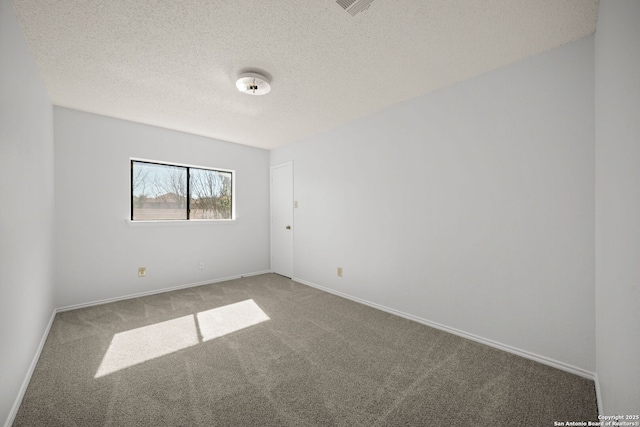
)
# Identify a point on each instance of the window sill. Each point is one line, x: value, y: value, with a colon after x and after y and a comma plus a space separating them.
x: 179, y: 222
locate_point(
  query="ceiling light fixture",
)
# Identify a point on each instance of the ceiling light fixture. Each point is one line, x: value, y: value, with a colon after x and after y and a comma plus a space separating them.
x: 253, y: 84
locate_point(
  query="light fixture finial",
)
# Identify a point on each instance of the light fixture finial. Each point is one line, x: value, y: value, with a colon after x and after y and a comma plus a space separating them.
x: 253, y: 84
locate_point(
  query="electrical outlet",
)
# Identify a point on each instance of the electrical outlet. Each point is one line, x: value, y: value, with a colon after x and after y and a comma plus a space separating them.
x: 142, y: 271
x: 339, y: 271
x: 201, y: 265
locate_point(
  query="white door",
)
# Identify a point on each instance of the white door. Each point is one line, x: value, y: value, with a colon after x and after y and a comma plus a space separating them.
x: 282, y: 219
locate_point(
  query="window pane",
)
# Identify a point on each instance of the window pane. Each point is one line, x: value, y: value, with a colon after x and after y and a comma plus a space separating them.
x: 159, y: 191
x: 210, y: 194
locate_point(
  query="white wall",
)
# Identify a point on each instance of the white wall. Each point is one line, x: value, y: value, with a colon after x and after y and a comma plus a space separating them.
x: 471, y: 207
x: 26, y: 209
x: 98, y: 251
x: 617, y: 96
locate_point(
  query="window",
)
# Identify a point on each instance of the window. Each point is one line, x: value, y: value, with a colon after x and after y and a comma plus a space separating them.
x: 173, y: 192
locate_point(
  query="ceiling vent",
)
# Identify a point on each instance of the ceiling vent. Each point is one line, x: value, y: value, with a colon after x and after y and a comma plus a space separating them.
x: 354, y: 6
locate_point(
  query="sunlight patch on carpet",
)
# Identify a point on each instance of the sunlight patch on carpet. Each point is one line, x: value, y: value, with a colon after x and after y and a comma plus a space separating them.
x: 139, y: 345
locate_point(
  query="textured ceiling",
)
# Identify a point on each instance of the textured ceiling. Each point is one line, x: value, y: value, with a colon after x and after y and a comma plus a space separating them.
x: 174, y: 64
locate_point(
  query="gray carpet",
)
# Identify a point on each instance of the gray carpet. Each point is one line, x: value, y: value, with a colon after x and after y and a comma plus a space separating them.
x: 278, y: 353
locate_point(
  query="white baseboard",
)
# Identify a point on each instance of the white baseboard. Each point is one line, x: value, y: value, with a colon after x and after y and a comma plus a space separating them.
x: 159, y: 291
x: 27, y: 379
x: 598, y: 394
x: 523, y: 353
x: 25, y: 383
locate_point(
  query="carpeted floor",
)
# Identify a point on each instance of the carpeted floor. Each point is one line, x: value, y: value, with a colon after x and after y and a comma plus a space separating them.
x: 267, y: 351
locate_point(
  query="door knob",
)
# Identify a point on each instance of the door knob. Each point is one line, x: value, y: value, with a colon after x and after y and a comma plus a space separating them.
x: 288, y: 227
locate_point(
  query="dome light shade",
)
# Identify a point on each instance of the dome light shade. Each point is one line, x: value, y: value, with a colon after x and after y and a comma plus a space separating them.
x: 253, y: 84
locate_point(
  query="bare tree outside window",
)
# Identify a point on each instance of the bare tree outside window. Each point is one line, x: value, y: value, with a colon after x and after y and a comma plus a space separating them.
x: 159, y: 191
x: 140, y: 185
x: 210, y: 194
x: 165, y: 192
